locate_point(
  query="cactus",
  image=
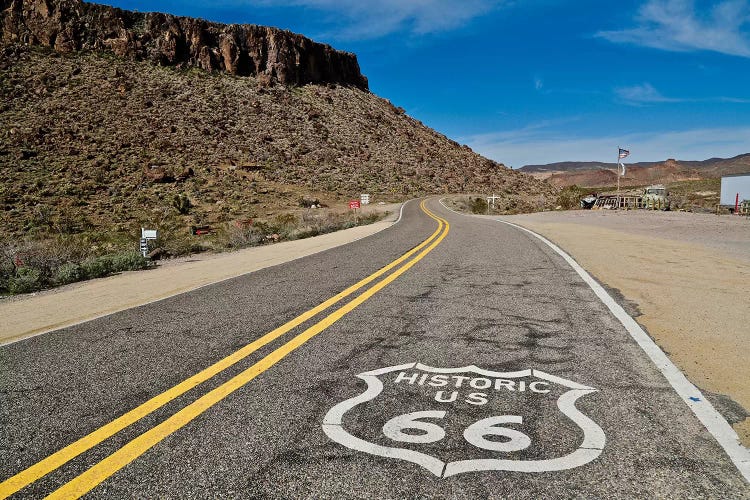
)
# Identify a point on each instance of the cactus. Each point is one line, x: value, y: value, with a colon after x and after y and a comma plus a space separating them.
x: 182, y: 203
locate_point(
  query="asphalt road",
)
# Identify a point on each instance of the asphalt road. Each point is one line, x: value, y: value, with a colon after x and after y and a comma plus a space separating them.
x: 480, y: 366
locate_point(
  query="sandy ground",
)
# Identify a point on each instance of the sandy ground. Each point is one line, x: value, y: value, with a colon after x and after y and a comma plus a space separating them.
x: 689, y: 275
x: 28, y: 315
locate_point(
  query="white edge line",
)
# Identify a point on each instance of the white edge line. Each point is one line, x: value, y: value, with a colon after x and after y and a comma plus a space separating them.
x: 711, y: 419
x: 400, y: 215
x: 93, y: 318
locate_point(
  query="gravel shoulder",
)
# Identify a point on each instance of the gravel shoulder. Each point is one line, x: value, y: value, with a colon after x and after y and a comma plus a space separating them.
x: 33, y: 314
x: 689, y: 275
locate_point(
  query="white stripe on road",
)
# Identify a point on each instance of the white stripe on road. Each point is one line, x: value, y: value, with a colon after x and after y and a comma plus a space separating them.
x: 713, y: 421
x: 401, y: 212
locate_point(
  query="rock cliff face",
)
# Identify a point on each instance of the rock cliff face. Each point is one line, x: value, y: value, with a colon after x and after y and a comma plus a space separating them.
x: 247, y: 50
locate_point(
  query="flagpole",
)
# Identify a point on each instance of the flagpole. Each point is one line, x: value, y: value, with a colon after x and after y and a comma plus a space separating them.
x: 617, y: 166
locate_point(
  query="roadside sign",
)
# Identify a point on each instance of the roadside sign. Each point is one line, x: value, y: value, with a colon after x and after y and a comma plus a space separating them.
x: 365, y: 199
x: 144, y: 246
x: 354, y: 204
x: 148, y: 234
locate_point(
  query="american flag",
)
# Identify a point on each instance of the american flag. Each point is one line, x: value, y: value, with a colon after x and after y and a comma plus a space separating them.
x: 623, y: 153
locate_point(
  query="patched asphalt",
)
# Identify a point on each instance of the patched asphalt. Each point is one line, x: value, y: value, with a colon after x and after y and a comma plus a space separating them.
x: 488, y: 296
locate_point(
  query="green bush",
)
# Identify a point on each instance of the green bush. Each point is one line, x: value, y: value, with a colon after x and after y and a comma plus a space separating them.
x: 241, y: 237
x: 69, y: 272
x: 570, y: 197
x: 129, y: 261
x: 7, y: 272
x: 26, y: 280
x: 478, y: 206
x: 34, y: 265
x: 96, y: 267
x: 286, y: 220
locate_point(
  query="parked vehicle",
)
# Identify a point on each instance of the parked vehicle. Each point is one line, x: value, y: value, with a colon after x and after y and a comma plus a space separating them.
x: 587, y: 202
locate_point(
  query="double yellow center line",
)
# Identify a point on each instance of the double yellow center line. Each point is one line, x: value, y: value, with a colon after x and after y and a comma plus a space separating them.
x: 83, y: 483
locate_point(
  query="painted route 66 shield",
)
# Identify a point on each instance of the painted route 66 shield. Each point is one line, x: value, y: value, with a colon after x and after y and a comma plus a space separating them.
x: 454, y: 420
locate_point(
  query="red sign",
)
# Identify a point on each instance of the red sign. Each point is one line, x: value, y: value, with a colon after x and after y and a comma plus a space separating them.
x: 354, y: 204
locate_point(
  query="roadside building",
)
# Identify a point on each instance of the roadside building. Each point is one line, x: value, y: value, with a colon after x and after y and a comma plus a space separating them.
x: 734, y: 188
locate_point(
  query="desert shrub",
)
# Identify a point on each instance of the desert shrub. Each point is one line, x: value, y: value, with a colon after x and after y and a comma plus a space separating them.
x: 302, y: 233
x: 44, y: 256
x: 478, y: 205
x: 241, y: 237
x: 7, y: 266
x: 308, y: 202
x: 570, y: 197
x: 286, y: 219
x: 264, y: 227
x: 129, y: 261
x: 70, y: 272
x: 27, y: 279
x: 97, y: 267
x: 184, y: 245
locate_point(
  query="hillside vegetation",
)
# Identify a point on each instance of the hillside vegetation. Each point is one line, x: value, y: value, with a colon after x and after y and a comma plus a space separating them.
x: 94, y: 147
x: 97, y: 142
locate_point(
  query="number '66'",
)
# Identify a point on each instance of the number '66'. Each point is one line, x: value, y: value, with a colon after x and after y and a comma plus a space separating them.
x: 474, y: 434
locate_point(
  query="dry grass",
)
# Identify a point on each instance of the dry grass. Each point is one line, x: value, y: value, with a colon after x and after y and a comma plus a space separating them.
x: 92, y: 148
x: 94, y: 143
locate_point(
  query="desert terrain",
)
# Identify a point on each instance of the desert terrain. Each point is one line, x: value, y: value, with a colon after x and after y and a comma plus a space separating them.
x: 686, y: 277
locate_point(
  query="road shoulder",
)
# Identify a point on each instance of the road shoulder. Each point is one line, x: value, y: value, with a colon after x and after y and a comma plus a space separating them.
x: 34, y: 314
x: 687, y: 291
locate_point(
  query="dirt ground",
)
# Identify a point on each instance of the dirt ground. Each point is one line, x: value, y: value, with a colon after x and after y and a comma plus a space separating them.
x: 32, y: 314
x: 689, y: 275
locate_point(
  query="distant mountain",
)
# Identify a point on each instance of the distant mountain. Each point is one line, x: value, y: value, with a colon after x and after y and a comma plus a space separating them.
x: 596, y: 174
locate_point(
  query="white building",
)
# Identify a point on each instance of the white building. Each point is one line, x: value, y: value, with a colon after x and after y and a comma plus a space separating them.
x: 733, y: 185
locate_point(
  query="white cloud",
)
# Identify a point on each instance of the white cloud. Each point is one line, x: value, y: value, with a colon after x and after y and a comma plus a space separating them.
x: 364, y: 19
x: 538, y: 83
x: 676, y: 25
x: 645, y: 93
x: 642, y: 94
x: 534, y: 145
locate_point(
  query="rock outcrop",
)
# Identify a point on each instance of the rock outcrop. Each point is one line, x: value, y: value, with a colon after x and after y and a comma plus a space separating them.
x: 271, y: 54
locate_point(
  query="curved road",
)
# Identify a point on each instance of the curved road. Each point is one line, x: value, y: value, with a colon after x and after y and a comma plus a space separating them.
x: 446, y: 357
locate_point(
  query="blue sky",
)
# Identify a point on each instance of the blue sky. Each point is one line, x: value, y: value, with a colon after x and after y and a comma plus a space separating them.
x: 539, y: 81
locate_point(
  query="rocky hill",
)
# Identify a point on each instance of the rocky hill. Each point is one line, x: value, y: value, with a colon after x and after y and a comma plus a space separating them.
x: 102, y: 140
x: 268, y: 53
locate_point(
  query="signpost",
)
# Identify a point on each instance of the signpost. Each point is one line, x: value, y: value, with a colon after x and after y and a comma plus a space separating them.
x: 146, y: 234
x: 354, y: 204
x: 491, y: 202
x: 365, y: 199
